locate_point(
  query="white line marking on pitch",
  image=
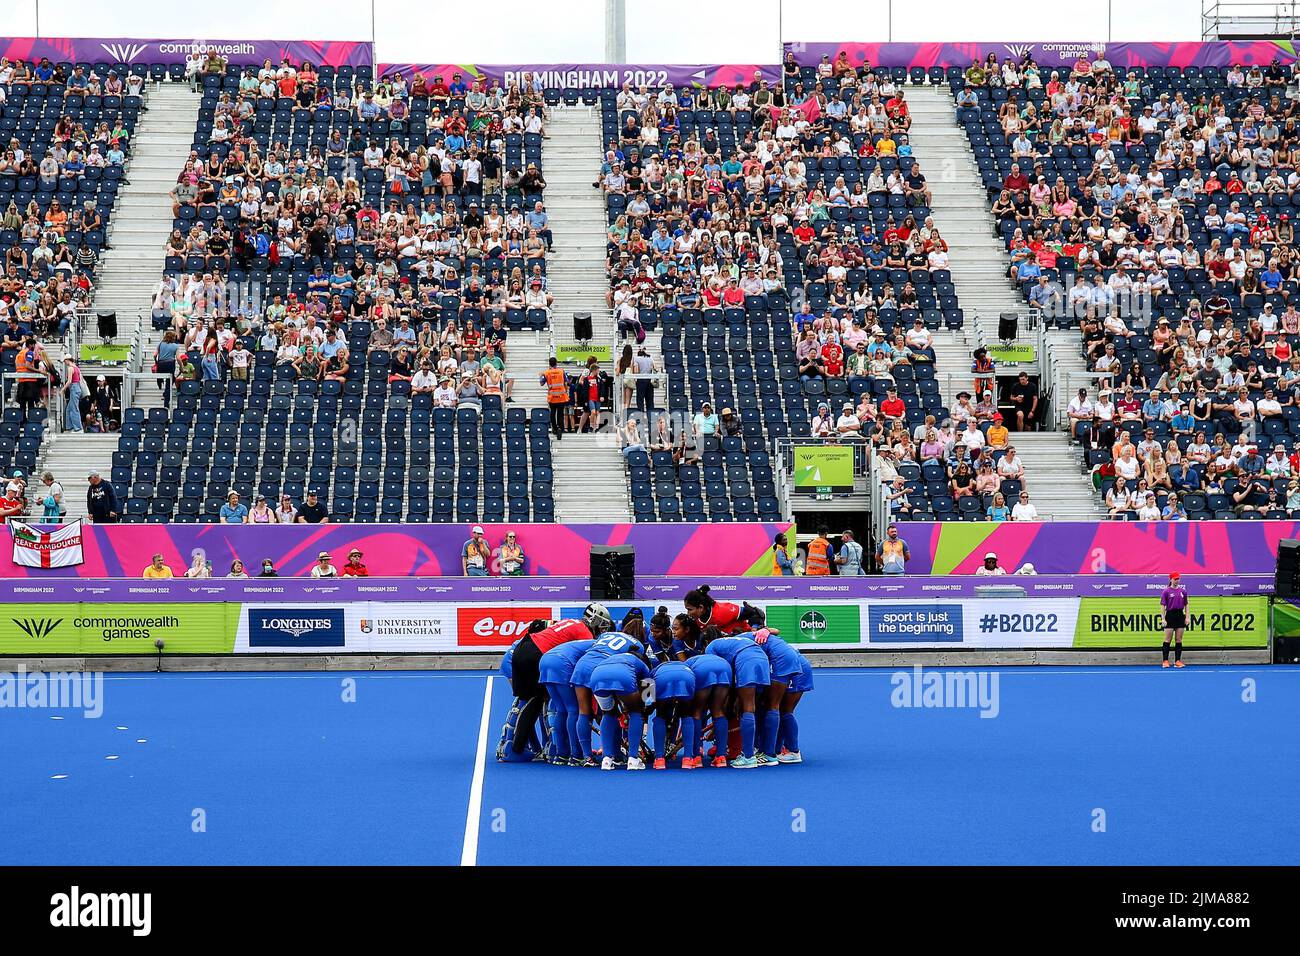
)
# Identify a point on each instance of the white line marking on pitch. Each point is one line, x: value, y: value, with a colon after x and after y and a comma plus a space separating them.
x: 469, y: 850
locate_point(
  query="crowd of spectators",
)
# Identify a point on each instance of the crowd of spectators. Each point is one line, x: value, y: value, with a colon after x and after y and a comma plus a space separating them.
x: 402, y: 226
x: 1178, y: 231
x: 65, y: 131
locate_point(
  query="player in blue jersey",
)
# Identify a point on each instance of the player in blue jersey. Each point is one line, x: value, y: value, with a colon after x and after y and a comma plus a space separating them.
x: 619, y: 678
x: 687, y: 640
x: 788, y: 741
x: 606, y: 646
x: 712, y: 689
x: 674, y: 701
x: 751, y: 674
x: 786, y: 664
x: 659, y: 642
x: 556, y: 673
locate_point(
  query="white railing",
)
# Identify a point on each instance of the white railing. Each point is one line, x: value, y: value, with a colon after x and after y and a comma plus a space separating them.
x: 878, y: 505
x: 54, y: 406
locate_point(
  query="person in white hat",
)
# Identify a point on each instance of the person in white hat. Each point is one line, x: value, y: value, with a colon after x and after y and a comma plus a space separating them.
x: 324, y: 567
x: 475, y: 554
x: 991, y: 566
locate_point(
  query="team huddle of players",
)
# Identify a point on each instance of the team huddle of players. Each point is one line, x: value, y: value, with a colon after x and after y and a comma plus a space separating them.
x: 693, y: 677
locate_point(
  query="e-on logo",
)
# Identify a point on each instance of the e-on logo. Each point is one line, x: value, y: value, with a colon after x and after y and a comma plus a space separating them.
x: 812, y: 625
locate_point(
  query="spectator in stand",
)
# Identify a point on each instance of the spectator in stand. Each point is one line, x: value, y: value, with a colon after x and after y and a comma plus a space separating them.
x: 355, y: 568
x: 233, y: 511
x: 1023, y: 510
x: 12, y: 504
x: 998, y: 510
x: 157, y: 568
x: 200, y: 567
x: 285, y: 512
x: 324, y: 566
x: 1024, y: 398
x: 705, y: 422
x: 52, y: 504
x: 313, y: 511
x: 102, y: 505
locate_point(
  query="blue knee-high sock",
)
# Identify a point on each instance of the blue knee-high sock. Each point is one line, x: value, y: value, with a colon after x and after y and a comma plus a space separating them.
x: 635, y: 729
x: 790, y: 732
x: 584, y: 735
x: 661, y: 735
x: 571, y: 729
x: 559, y: 739
x: 609, y: 741
x: 748, y: 725
x: 688, y: 735
x: 720, y: 731
x: 771, y: 725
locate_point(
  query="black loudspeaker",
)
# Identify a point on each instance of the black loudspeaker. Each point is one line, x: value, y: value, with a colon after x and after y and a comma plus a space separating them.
x: 1286, y: 650
x: 107, y: 325
x: 582, y: 326
x: 1008, y: 326
x: 613, y: 573
x: 1286, y: 582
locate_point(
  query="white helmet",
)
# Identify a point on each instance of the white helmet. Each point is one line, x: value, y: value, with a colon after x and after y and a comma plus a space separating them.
x: 597, y: 619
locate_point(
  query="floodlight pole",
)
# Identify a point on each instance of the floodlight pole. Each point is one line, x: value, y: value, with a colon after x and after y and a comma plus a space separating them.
x: 615, y: 31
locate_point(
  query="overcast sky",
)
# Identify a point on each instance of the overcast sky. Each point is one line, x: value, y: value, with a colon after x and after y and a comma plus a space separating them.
x: 658, y: 31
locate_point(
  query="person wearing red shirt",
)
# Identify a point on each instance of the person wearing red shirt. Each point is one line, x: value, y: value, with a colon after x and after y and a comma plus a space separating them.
x: 355, y: 568
x: 732, y: 296
x: 803, y: 233
x: 1016, y: 181
x: 833, y: 356
x: 526, y: 658
x: 892, y: 407
x: 730, y: 619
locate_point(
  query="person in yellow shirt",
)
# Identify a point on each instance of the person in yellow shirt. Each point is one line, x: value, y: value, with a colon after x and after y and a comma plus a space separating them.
x: 998, y: 434
x: 885, y: 146
x: 157, y: 569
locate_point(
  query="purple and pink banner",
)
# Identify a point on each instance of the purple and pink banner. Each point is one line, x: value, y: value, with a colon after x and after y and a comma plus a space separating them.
x: 709, y: 551
x: 1100, y: 547
x: 406, y: 550
x: 585, y: 76
x: 136, y: 50
x: 575, y: 590
x: 1051, y: 56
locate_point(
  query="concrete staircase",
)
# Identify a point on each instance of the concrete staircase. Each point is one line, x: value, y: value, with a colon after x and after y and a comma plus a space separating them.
x: 142, y: 220
x: 578, y: 219
x: 1053, y: 468
x: 590, y: 479
x: 978, y: 258
x: 1058, y: 488
x: 70, y: 458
